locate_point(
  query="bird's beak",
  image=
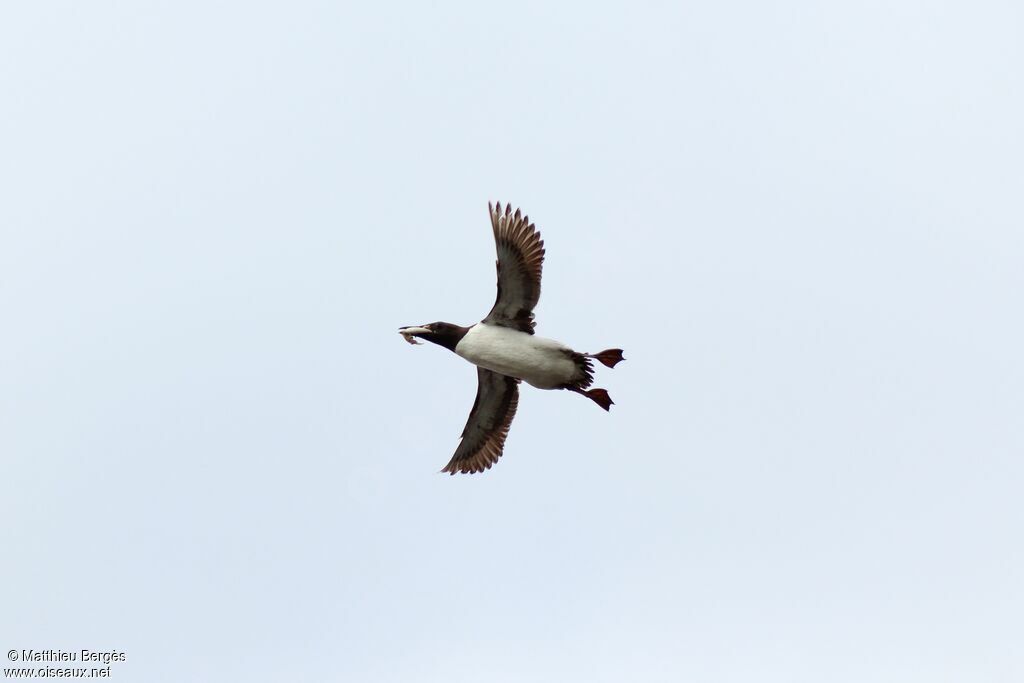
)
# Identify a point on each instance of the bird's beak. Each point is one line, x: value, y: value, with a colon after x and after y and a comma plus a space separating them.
x: 410, y: 333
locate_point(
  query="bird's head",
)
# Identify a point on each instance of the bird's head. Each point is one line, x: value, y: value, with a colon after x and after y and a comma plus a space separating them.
x: 443, y: 334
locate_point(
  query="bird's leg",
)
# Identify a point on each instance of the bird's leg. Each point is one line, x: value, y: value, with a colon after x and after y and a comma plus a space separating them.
x: 598, y: 396
x: 608, y: 357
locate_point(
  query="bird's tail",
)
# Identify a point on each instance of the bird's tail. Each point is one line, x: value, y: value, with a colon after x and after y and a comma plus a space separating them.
x: 609, y: 357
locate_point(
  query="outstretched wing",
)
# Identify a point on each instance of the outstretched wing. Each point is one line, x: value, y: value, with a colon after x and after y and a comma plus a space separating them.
x: 483, y: 439
x: 520, y: 259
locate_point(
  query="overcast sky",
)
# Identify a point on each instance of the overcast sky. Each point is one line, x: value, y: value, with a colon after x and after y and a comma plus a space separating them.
x: 802, y: 221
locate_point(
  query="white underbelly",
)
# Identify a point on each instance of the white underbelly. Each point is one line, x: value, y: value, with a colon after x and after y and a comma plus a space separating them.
x: 540, y: 362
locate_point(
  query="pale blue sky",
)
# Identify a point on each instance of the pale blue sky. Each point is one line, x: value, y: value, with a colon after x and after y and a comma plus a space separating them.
x: 802, y: 221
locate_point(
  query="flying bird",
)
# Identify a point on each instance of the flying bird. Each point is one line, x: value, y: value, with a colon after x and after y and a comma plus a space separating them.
x: 505, y: 350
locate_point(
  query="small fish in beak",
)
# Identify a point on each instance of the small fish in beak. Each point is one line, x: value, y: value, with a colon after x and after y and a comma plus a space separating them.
x: 408, y: 332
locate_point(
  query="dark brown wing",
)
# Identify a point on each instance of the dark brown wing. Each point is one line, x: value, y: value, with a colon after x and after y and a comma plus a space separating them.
x: 483, y: 439
x: 520, y: 259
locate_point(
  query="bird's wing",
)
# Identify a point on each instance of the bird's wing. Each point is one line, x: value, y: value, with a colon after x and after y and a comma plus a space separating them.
x: 483, y: 439
x: 520, y: 259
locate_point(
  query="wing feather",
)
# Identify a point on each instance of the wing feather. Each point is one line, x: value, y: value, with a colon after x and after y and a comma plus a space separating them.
x: 483, y: 438
x: 520, y: 262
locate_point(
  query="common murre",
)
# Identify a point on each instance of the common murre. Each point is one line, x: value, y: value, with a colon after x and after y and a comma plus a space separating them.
x: 505, y: 350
